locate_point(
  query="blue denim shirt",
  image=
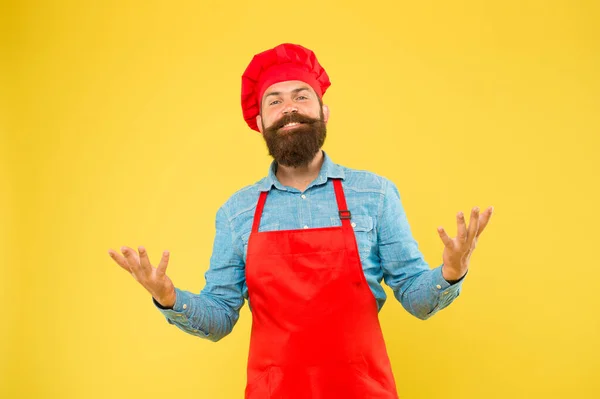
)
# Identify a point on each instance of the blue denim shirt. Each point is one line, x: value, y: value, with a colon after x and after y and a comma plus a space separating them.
x: 387, y: 249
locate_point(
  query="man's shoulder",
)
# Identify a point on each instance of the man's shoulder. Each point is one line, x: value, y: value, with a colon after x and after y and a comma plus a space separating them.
x: 244, y: 199
x: 364, y: 180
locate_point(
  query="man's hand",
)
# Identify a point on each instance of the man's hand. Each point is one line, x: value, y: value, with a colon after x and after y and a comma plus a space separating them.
x: 458, y: 250
x: 154, y: 280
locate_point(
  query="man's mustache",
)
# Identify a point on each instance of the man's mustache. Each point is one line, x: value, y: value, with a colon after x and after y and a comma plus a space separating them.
x: 293, y: 118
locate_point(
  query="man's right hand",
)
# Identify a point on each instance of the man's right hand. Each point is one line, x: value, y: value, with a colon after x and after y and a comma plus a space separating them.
x: 154, y: 280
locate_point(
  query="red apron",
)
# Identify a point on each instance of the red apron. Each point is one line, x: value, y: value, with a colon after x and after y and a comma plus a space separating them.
x: 315, y: 329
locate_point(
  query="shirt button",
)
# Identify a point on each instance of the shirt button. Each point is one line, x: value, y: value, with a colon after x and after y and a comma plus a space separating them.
x: 306, y: 227
x: 439, y: 287
x: 184, y: 306
x: 353, y: 224
x: 303, y: 196
x: 446, y: 293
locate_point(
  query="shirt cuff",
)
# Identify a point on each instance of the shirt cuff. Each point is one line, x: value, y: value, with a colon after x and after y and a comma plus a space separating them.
x: 441, y: 285
x: 181, y: 309
x: 452, y: 282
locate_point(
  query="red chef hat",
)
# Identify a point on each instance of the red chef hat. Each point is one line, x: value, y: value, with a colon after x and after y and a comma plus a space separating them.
x: 284, y: 62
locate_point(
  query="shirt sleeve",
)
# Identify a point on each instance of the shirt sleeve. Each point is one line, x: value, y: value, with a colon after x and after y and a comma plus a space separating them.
x: 421, y: 291
x: 213, y: 312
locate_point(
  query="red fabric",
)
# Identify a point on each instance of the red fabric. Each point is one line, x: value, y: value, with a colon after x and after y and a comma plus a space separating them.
x: 315, y: 329
x: 284, y: 62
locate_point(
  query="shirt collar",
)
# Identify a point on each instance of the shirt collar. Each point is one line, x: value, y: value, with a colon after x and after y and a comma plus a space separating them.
x: 329, y: 170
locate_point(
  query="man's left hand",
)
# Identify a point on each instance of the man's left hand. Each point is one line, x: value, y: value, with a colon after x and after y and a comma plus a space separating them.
x: 458, y: 250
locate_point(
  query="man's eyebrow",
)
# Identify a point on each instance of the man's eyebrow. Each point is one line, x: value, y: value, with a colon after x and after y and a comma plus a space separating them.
x: 276, y: 93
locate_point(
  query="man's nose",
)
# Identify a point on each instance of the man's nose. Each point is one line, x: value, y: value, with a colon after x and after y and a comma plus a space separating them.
x: 290, y: 107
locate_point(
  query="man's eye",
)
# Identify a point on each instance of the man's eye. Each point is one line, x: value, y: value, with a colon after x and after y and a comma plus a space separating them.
x: 302, y: 98
x: 273, y: 102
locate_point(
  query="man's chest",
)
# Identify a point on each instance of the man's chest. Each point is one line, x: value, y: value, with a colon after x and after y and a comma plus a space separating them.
x: 315, y: 209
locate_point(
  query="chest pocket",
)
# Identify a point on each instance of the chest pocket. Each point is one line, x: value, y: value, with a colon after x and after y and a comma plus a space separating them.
x: 267, y: 227
x: 364, y: 232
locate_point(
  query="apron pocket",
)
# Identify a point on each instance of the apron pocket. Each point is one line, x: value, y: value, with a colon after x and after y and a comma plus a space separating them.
x: 259, y: 387
x: 372, y: 386
x: 265, y: 385
x: 347, y: 381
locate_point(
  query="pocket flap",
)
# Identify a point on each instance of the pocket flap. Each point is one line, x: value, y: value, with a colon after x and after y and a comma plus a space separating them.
x: 359, y: 222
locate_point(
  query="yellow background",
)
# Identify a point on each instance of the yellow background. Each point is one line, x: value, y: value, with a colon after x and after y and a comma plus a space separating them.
x: 121, y: 125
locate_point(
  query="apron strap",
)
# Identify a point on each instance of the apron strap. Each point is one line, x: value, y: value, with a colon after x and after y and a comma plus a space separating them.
x: 344, y: 213
x: 259, y: 209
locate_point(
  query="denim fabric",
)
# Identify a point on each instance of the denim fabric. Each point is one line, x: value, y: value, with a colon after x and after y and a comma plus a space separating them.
x: 387, y: 249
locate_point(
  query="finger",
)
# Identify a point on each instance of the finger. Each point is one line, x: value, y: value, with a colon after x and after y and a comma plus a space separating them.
x: 484, y: 218
x: 119, y: 259
x: 473, y: 225
x: 132, y: 252
x: 144, y: 260
x: 461, y: 227
x: 132, y: 259
x: 164, y: 262
x: 445, y: 239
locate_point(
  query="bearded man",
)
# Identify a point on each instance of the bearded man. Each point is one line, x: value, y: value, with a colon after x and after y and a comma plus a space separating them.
x: 308, y: 246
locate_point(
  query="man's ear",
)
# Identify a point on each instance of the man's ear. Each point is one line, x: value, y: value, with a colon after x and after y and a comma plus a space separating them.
x: 259, y: 123
x: 325, y: 113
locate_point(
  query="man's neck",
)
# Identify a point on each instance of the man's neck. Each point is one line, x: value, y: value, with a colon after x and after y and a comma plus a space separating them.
x: 302, y: 176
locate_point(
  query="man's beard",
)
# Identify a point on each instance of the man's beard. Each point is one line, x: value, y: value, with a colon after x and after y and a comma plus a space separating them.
x: 299, y: 145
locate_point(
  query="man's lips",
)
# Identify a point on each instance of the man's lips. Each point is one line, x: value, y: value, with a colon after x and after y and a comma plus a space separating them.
x: 290, y: 125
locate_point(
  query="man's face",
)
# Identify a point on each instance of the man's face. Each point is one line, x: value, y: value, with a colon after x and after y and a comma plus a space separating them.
x: 292, y: 122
